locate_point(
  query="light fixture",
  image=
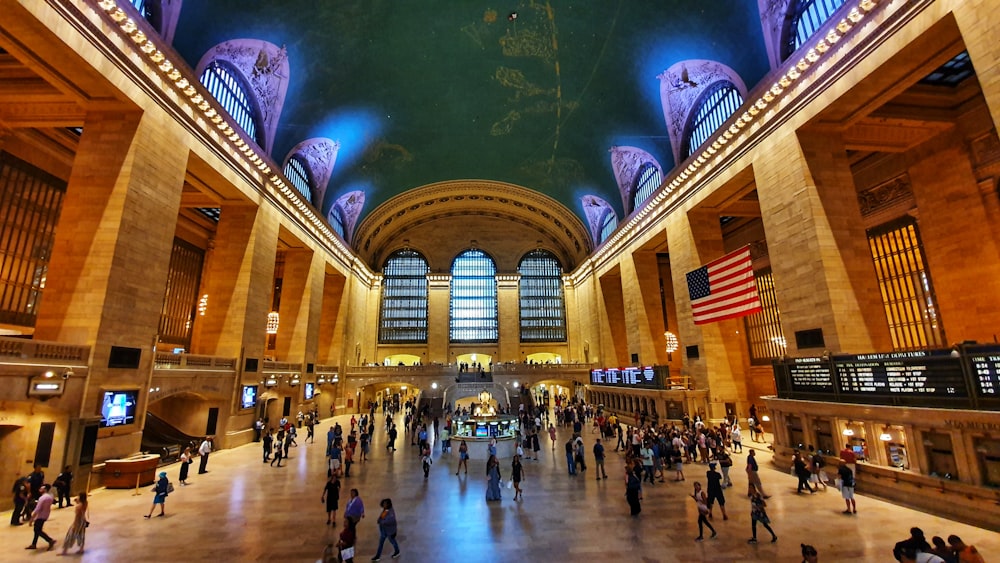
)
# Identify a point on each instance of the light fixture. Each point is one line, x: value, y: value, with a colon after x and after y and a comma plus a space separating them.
x: 272, y: 322
x: 203, y: 305
x: 672, y: 343
x: 434, y: 385
x: 885, y: 437
x: 765, y: 418
x: 516, y: 385
x: 848, y: 431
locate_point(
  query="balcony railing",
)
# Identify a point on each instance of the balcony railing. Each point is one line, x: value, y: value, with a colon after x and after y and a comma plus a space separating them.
x: 193, y: 362
x: 539, y: 369
x: 436, y: 370
x: 40, y: 352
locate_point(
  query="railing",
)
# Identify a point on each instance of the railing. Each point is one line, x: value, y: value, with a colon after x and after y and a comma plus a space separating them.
x: 42, y: 352
x: 537, y: 369
x: 436, y: 370
x: 281, y: 367
x: 193, y: 362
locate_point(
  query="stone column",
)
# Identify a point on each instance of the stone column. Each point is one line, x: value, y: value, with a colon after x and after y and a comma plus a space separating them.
x: 508, y: 317
x: 822, y: 266
x: 107, y: 276
x: 301, y: 306
x: 438, y: 313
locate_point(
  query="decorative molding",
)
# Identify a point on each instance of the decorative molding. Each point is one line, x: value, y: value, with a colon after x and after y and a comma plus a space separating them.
x: 626, y: 162
x: 596, y: 209
x: 884, y: 195
x: 349, y: 206
x: 320, y: 155
x: 773, y: 15
x: 986, y: 149
x: 265, y: 67
x: 680, y: 87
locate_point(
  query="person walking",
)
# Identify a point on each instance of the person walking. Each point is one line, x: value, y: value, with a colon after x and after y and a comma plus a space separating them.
x: 387, y: 529
x: 715, y: 490
x: 278, y: 453
x: 463, y: 457
x: 355, y: 509
x: 599, y: 460
x: 493, y: 479
x: 348, y: 538
x: 331, y: 496
x: 185, y: 466
x: 77, y: 533
x: 726, y: 463
x: 758, y: 513
x: 516, y: 476
x: 753, y: 479
x: 802, y: 473
x: 552, y: 435
x: 570, y: 462
x: 846, y: 477
x: 161, y: 490
x: 633, y: 489
x: 701, y: 501
x: 817, y: 475
x: 425, y: 459
x: 40, y: 514
x: 203, y: 450
x: 268, y: 441
x: 62, y: 484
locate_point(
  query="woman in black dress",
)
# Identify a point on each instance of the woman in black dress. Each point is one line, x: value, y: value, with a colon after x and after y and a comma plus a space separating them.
x: 331, y: 496
x: 185, y: 464
x: 517, y: 475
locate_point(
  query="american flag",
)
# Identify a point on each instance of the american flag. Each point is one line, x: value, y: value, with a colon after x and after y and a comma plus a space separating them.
x: 724, y: 289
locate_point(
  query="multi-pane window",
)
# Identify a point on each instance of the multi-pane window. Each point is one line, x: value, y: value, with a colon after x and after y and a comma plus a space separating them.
x: 543, y: 314
x: 297, y: 174
x: 907, y: 294
x: 230, y: 89
x: 151, y: 11
x: 337, y: 222
x: 716, y: 104
x: 403, y: 317
x: 764, y: 336
x: 474, y: 298
x: 30, y: 201
x: 608, y: 225
x: 807, y: 17
x: 649, y: 180
x: 181, y: 296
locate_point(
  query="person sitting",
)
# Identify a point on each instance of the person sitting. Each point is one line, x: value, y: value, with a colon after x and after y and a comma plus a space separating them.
x: 916, y: 541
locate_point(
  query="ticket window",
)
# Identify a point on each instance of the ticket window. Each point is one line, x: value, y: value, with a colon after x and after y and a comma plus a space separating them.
x: 988, y: 454
x: 856, y: 440
x: 796, y: 438
x: 940, y: 455
x: 893, y: 440
x: 824, y: 437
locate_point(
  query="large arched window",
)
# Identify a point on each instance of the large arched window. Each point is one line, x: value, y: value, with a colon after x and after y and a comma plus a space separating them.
x: 543, y: 314
x: 403, y: 316
x: 648, y: 180
x: 337, y: 222
x: 474, y: 298
x: 151, y: 11
x: 805, y: 17
x: 716, y: 104
x: 298, y: 174
x: 226, y: 84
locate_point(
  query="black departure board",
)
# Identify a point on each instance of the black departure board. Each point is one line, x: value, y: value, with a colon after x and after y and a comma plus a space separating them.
x: 984, y: 364
x: 644, y: 377
x: 810, y: 375
x: 928, y: 373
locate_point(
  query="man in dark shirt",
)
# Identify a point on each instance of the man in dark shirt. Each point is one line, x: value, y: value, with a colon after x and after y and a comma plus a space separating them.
x: 20, y: 492
x: 570, y: 462
x: 599, y: 460
x: 916, y: 541
x: 715, y: 490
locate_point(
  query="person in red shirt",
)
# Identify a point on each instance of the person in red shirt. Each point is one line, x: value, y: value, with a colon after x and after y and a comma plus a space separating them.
x: 847, y: 454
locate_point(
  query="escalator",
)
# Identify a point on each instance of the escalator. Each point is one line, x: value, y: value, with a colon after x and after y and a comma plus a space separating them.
x: 161, y: 437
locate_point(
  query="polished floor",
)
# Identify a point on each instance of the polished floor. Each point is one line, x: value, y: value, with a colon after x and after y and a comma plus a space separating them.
x: 245, y: 510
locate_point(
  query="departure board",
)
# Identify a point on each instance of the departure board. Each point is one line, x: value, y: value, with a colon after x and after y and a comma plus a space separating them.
x: 935, y: 373
x: 984, y: 362
x: 644, y: 377
x: 810, y: 375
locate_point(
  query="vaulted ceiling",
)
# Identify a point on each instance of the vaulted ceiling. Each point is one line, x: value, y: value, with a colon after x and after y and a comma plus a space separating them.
x: 530, y: 93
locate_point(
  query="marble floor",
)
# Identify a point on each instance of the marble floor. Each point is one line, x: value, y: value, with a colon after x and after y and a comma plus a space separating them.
x: 244, y: 510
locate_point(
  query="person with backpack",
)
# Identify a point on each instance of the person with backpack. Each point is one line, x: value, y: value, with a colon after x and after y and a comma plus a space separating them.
x: 847, y: 487
x: 818, y: 475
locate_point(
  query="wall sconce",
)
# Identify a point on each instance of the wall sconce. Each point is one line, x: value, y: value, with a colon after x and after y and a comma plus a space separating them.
x: 434, y: 385
x: 848, y: 431
x: 885, y: 436
x: 272, y: 322
x: 203, y: 305
x: 46, y: 386
x: 271, y: 382
x: 765, y: 418
x: 294, y: 382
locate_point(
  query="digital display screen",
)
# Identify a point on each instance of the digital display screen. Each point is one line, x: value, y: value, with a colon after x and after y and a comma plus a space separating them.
x: 310, y: 390
x: 644, y: 377
x: 118, y: 408
x: 934, y: 373
x: 985, y: 368
x: 248, y: 398
x: 811, y: 375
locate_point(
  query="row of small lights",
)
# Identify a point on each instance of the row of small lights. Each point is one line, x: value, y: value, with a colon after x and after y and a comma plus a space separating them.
x: 811, y: 57
x: 146, y: 44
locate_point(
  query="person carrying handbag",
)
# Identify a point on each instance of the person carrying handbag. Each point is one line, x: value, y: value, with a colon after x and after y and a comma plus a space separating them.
x: 387, y: 529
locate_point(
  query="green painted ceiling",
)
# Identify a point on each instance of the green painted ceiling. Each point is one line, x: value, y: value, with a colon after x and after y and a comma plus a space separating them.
x: 421, y: 92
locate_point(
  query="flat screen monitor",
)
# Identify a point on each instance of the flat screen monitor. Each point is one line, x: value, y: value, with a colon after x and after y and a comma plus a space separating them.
x: 310, y: 389
x: 248, y: 399
x: 118, y: 408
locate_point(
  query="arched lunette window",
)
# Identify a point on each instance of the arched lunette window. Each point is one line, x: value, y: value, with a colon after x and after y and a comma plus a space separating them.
x: 403, y: 315
x: 228, y: 86
x: 805, y: 17
x: 474, y: 298
x: 151, y: 11
x: 543, y: 314
x: 716, y: 104
x: 608, y: 225
x: 648, y: 180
